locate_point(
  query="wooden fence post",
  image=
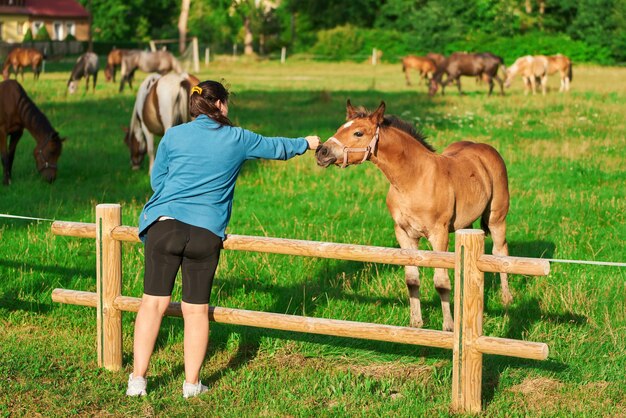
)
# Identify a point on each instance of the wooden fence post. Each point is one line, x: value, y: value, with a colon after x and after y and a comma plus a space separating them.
x: 108, y: 286
x: 467, y: 360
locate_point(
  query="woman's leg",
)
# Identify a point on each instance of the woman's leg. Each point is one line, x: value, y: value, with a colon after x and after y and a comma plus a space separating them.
x: 196, y: 319
x: 147, y: 327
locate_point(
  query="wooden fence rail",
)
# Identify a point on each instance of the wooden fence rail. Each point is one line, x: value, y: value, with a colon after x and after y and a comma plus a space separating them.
x: 469, y: 262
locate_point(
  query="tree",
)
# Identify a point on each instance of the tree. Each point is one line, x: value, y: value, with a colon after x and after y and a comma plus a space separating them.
x: 182, y: 25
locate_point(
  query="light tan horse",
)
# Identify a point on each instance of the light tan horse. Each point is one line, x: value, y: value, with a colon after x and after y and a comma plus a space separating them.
x: 424, y: 66
x: 563, y: 65
x: 532, y: 69
x: 19, y: 58
x: 430, y: 194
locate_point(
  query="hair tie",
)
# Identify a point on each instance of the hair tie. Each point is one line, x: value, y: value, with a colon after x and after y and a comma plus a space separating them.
x: 196, y: 89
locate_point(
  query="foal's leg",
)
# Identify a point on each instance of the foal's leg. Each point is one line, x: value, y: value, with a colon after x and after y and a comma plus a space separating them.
x: 439, y: 240
x: 497, y: 226
x: 412, y: 278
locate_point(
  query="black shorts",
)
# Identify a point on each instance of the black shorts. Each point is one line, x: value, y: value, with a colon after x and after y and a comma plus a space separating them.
x: 170, y: 245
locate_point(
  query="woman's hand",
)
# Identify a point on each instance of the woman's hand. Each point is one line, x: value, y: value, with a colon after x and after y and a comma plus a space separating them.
x: 314, y: 141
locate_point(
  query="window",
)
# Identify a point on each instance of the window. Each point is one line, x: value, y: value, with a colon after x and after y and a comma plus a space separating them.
x: 70, y: 28
x: 58, y: 31
x: 36, y: 26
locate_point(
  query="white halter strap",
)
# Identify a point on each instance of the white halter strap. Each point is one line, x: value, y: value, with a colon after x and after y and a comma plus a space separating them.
x: 367, y: 150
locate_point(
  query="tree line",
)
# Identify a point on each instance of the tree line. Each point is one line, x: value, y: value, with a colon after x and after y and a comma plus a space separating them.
x: 587, y: 30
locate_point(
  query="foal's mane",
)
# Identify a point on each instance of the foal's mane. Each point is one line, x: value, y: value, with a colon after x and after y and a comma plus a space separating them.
x: 392, y: 121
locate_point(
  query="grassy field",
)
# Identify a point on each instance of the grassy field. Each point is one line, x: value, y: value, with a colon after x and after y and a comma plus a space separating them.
x: 565, y: 156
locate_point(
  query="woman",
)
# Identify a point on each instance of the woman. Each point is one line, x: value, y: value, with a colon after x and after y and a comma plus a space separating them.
x: 184, y: 222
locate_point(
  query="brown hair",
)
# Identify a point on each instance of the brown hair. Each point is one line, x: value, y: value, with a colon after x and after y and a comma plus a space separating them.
x: 203, y: 101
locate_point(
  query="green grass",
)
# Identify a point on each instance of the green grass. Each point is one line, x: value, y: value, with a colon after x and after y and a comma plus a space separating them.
x: 565, y: 156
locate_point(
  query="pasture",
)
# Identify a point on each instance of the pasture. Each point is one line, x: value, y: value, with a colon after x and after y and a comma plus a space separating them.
x: 565, y: 159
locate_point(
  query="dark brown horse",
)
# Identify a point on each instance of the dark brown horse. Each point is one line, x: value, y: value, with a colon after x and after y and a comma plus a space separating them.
x: 430, y: 194
x: 484, y: 65
x: 17, y: 111
x: 19, y: 58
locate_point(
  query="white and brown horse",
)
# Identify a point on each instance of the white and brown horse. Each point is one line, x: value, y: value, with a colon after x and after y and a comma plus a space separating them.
x: 430, y: 194
x: 162, y: 102
x: 161, y: 62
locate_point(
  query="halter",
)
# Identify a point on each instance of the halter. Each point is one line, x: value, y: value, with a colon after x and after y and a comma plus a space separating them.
x: 367, y: 150
x: 39, y: 150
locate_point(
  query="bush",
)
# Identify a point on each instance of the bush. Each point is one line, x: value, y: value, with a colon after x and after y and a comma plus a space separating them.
x: 535, y: 43
x: 42, y: 34
x: 352, y: 43
x: 28, y: 36
x: 340, y: 43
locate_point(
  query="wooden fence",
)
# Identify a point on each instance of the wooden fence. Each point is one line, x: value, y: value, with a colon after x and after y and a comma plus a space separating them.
x: 467, y: 342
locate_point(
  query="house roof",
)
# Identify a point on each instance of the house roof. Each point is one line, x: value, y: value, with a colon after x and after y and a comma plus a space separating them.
x: 48, y: 8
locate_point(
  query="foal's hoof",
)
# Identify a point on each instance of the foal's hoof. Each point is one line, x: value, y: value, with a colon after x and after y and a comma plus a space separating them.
x: 448, y: 325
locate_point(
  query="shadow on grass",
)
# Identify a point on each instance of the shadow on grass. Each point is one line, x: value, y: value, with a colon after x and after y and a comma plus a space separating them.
x: 60, y: 275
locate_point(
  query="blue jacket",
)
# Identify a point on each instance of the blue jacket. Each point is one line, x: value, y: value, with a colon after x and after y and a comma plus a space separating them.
x: 195, y: 169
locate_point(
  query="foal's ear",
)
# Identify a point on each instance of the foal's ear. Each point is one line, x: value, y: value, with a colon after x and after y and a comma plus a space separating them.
x: 378, y: 116
x: 350, y: 111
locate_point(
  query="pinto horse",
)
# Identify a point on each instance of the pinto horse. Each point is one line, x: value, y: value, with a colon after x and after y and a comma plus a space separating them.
x: 483, y: 65
x: 430, y: 194
x: 423, y: 65
x: 160, y: 62
x: 86, y: 66
x: 162, y: 102
x: 17, y: 111
x: 19, y: 58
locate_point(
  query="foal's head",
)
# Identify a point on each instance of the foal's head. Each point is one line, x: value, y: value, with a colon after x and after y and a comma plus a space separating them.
x: 137, y: 148
x: 355, y: 141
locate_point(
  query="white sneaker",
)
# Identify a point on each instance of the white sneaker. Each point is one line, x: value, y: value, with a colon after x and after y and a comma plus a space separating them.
x: 190, y: 390
x: 136, y: 386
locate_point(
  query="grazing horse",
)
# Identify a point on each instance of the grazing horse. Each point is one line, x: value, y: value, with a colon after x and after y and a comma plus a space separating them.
x: 162, y: 102
x: 86, y: 66
x: 114, y: 60
x: 17, y: 111
x: 484, y: 65
x: 424, y: 66
x: 160, y: 62
x: 430, y: 194
x: 19, y: 58
x: 563, y: 65
x: 531, y: 69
